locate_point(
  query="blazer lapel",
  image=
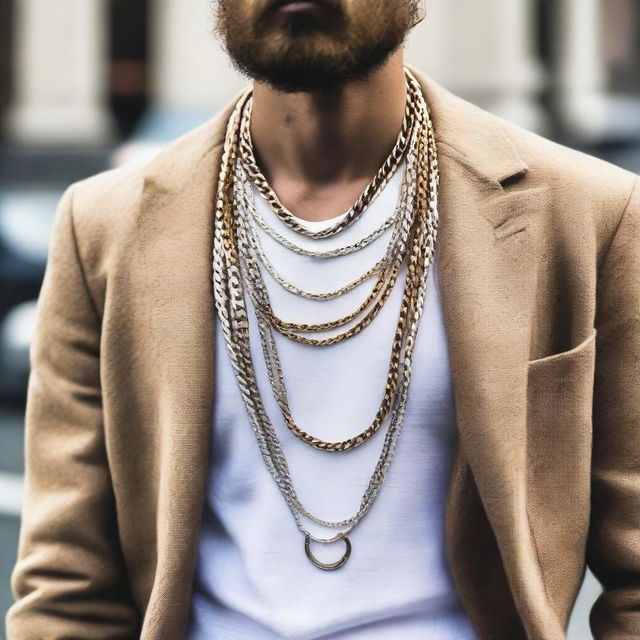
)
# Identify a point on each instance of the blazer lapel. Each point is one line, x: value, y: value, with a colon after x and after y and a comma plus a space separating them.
x: 486, y: 283
x: 486, y: 245
x: 177, y: 220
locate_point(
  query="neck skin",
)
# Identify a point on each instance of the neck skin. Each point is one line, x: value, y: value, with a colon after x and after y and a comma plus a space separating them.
x: 319, y: 150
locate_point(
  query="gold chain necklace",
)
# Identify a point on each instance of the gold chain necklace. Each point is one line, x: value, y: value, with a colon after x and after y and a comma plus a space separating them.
x: 231, y: 260
x: 371, y: 191
x: 387, y: 268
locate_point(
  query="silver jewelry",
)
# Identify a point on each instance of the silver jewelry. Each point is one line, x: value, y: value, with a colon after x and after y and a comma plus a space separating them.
x: 229, y: 282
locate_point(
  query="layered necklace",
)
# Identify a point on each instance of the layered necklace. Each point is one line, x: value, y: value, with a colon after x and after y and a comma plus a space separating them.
x: 237, y: 260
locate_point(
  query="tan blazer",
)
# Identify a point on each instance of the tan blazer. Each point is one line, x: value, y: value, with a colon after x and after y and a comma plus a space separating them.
x: 540, y: 273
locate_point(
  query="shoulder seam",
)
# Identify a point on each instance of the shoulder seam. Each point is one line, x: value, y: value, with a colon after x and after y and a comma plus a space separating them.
x: 634, y: 186
x: 76, y: 247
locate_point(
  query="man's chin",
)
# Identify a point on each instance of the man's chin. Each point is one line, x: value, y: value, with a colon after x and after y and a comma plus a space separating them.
x: 313, y: 73
x: 309, y: 79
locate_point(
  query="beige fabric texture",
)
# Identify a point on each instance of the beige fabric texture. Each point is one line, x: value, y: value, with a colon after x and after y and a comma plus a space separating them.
x: 540, y: 272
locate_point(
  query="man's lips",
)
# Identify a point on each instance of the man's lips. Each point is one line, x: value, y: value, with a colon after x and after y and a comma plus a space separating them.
x: 292, y: 6
x: 278, y: 4
x: 301, y: 15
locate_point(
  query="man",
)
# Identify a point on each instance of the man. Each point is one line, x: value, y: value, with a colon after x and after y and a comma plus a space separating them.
x: 202, y: 368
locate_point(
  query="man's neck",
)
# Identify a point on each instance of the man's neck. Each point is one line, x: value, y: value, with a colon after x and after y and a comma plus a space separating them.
x: 319, y: 150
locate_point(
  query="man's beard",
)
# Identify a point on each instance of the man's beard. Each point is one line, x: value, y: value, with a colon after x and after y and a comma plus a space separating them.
x: 319, y: 50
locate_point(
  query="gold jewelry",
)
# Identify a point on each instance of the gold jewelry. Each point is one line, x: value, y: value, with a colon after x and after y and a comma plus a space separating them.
x: 233, y: 259
x: 371, y: 191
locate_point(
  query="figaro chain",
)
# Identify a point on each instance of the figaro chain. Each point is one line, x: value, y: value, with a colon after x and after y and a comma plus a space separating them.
x: 229, y: 277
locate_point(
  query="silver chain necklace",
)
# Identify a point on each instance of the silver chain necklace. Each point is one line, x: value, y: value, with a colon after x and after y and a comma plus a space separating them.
x: 229, y: 281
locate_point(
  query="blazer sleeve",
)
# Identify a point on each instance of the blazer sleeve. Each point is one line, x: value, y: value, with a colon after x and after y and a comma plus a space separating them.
x: 613, y: 545
x: 69, y: 580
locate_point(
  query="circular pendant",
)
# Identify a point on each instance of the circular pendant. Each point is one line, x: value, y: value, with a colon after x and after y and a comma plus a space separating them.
x: 325, y: 566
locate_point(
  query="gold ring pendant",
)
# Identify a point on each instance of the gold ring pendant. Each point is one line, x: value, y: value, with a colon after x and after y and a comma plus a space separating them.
x: 323, y: 565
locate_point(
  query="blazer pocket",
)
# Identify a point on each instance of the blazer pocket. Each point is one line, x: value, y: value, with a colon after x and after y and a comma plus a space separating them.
x: 560, y: 397
x: 557, y: 358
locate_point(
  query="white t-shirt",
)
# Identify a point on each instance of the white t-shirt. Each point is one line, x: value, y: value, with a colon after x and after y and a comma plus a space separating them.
x: 253, y: 579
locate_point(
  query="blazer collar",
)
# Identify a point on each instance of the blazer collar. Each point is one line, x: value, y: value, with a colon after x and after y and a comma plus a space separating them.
x: 471, y: 137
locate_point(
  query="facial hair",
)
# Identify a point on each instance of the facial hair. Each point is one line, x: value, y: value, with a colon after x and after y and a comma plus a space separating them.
x: 343, y: 41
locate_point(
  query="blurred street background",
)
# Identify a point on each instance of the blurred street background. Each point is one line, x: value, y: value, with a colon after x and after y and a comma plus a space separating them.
x: 89, y: 84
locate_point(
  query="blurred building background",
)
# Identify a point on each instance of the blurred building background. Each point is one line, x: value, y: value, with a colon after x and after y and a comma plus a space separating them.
x: 88, y: 84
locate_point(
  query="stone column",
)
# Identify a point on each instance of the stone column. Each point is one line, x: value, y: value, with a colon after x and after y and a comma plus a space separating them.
x: 485, y: 52
x: 61, y: 72
x: 580, y: 68
x: 190, y: 70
